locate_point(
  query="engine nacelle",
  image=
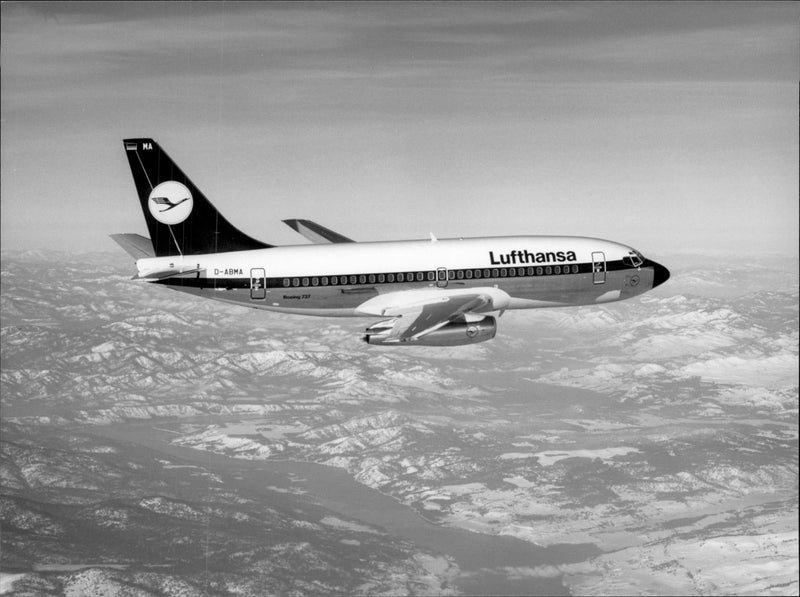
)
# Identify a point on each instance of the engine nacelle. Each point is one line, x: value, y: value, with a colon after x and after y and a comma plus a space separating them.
x: 455, y: 333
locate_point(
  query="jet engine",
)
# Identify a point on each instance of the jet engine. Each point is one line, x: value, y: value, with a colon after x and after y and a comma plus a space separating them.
x: 455, y: 333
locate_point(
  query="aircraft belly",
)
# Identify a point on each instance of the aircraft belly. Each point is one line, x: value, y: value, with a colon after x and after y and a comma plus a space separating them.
x: 321, y: 301
x: 562, y: 291
x: 326, y: 302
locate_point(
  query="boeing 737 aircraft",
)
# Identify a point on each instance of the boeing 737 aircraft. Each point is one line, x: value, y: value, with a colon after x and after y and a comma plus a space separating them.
x: 436, y: 292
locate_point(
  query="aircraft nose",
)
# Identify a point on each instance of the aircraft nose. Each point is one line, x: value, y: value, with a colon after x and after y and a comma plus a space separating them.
x: 660, y: 274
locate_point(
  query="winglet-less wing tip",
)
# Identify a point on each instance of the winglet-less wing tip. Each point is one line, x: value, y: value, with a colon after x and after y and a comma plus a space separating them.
x: 316, y: 233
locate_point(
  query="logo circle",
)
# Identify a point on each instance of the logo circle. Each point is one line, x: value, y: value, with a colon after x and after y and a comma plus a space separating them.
x: 635, y: 281
x: 170, y: 202
x: 472, y: 331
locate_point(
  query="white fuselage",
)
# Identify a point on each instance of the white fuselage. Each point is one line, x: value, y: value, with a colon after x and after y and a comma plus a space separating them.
x: 334, y: 279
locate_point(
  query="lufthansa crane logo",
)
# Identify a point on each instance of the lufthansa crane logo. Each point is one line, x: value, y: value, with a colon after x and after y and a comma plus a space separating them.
x: 170, y: 202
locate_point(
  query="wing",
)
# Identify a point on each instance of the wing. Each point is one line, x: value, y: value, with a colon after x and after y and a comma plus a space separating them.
x: 420, y: 312
x: 415, y: 323
x: 315, y: 233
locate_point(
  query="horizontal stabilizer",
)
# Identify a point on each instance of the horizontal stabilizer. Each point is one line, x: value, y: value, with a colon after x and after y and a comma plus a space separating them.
x: 315, y: 233
x: 135, y: 245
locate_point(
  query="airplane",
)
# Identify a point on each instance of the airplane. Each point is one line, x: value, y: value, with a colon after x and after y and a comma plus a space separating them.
x: 433, y: 292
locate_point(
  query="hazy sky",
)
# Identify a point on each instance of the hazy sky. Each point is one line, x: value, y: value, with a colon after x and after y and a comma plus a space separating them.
x: 672, y: 127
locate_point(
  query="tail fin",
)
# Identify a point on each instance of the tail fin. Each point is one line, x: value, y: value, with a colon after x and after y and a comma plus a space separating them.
x: 180, y: 219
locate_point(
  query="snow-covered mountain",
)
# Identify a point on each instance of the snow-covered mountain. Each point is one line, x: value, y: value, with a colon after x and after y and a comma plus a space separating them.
x: 666, y: 424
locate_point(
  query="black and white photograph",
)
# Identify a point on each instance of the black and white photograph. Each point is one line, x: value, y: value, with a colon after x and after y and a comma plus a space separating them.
x: 386, y: 298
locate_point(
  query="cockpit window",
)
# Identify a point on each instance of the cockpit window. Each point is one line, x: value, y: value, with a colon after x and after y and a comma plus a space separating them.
x: 633, y: 259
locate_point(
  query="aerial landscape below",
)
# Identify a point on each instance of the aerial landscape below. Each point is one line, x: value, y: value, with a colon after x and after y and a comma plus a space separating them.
x: 162, y: 444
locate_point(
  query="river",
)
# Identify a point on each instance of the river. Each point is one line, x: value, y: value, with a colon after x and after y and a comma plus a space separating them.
x: 481, y: 558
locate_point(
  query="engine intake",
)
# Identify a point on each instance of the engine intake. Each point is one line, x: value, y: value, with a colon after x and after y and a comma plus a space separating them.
x: 455, y: 333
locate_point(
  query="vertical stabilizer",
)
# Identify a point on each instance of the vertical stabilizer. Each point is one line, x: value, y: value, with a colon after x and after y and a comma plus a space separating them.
x: 180, y: 219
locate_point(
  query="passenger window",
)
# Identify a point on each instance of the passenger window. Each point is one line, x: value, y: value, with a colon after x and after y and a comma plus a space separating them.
x: 372, y: 278
x: 460, y: 274
x: 295, y: 281
x: 315, y: 281
x: 477, y: 273
x: 305, y: 281
x: 558, y: 269
x: 468, y: 274
x: 574, y: 269
x: 486, y: 273
x: 521, y: 271
x: 324, y: 280
x: 362, y: 279
x: 286, y: 282
x: 421, y: 276
x: 334, y: 280
x: 401, y: 277
x: 548, y: 270
x: 381, y: 278
x: 353, y: 279
x: 503, y: 273
x: 512, y: 272
x: 451, y: 275
x: 390, y: 277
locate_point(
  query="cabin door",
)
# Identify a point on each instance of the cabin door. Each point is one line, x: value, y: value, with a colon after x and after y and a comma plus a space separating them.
x: 441, y: 277
x: 258, y: 284
x: 599, y: 267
